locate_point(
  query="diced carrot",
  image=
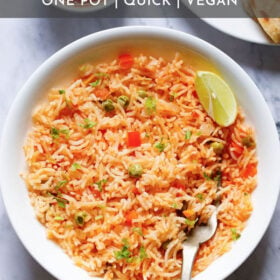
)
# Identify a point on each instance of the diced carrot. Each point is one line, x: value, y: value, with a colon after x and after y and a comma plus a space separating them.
x: 89, y: 79
x: 179, y: 185
x: 195, y: 114
x: 136, y: 191
x: 95, y: 192
x: 108, y: 243
x: 189, y: 213
x: 118, y: 228
x: 102, y: 93
x: 249, y: 171
x: 67, y: 111
x: 125, y: 61
x: 129, y: 216
x: 133, y: 139
x: 237, y: 150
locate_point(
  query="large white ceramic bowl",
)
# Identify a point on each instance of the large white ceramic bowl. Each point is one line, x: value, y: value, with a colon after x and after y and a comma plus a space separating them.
x: 60, y: 66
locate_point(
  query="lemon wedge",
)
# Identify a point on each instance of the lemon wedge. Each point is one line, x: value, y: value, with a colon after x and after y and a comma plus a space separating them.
x: 216, y: 97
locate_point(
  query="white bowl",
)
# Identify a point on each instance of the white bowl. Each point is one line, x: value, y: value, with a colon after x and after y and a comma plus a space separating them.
x: 61, y: 65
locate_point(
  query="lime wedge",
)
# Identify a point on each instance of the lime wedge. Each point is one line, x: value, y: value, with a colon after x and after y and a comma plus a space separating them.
x: 216, y: 97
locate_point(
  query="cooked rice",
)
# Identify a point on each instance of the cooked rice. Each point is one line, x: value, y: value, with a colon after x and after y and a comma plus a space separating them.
x: 140, y: 212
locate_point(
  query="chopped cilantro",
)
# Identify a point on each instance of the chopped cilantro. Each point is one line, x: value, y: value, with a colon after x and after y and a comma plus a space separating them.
x: 61, y: 202
x: 172, y: 96
x: 95, y: 83
x: 61, y: 91
x: 138, y: 230
x: 66, y: 132
x: 206, y: 176
x: 175, y: 205
x: 200, y: 196
x: 100, y: 184
x: 190, y: 223
x: 188, y: 135
x: 87, y: 124
x: 76, y: 166
x: 102, y: 74
x: 142, y: 254
x: 215, y: 176
x: 54, y: 133
x: 142, y: 93
x: 150, y: 105
x: 98, y: 217
x: 60, y: 184
x: 160, y: 146
x: 234, y: 234
x: 124, y: 253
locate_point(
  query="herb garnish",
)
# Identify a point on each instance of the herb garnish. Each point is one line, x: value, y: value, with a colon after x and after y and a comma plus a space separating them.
x: 199, y: 196
x: 100, y: 184
x: 160, y: 146
x: 55, y: 133
x: 150, y: 105
x: 76, y: 166
x: 188, y: 135
x: 87, y: 124
x: 142, y: 254
x: 234, y: 234
x: 124, y: 253
x: 60, y: 184
x: 190, y: 223
x: 138, y: 230
x: 98, y: 217
x: 214, y: 176
x: 95, y: 83
x: 61, y: 202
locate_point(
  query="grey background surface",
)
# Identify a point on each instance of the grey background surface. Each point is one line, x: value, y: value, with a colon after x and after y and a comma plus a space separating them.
x: 26, y: 43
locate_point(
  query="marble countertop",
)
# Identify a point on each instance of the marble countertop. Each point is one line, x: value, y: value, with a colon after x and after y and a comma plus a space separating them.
x: 26, y: 43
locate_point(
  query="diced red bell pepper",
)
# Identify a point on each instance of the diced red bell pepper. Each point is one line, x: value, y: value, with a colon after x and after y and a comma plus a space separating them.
x: 125, y: 61
x: 237, y: 150
x: 102, y: 93
x: 133, y: 139
x: 250, y: 170
x: 129, y: 216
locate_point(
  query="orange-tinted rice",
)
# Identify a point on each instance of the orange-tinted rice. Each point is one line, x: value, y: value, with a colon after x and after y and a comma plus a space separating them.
x: 136, y: 215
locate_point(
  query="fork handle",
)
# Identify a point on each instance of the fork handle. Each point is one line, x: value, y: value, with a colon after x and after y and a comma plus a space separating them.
x: 189, y: 253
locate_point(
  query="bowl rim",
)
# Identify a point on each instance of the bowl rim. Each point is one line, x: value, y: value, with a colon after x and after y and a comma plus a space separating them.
x: 108, y: 35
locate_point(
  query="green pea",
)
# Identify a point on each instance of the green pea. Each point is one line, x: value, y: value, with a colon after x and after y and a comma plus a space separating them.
x: 135, y: 170
x: 123, y: 101
x: 108, y: 105
x: 248, y: 142
x: 218, y: 147
x: 142, y: 93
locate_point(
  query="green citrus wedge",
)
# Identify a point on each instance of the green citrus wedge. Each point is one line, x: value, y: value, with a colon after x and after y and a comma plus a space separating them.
x: 216, y: 97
